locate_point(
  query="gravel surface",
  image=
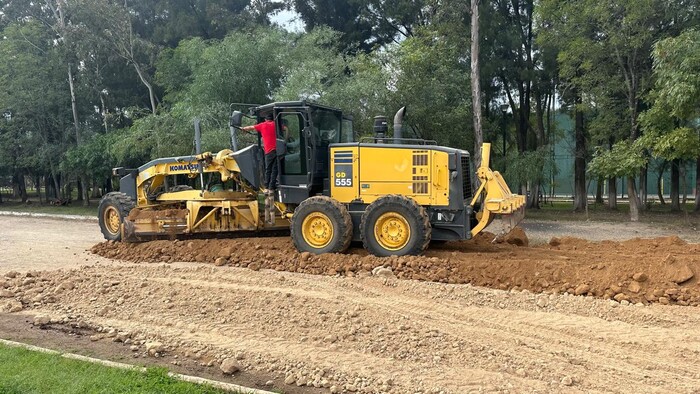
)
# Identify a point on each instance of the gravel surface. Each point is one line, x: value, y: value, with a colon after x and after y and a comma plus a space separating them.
x: 359, y: 332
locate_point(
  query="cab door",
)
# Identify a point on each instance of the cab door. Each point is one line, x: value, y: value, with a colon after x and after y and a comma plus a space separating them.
x: 293, y: 159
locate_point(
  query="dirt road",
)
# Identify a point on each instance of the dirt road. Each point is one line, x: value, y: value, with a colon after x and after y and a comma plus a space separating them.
x: 370, y: 333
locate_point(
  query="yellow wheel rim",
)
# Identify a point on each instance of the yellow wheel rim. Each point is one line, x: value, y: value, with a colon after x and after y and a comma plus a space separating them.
x: 112, y: 220
x: 317, y: 230
x: 392, y: 231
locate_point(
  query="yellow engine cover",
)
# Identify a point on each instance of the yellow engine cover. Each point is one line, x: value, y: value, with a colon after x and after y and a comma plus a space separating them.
x: 363, y: 173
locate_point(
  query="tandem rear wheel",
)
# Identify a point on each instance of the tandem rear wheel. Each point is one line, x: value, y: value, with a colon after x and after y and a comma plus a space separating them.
x: 395, y: 225
x: 321, y: 225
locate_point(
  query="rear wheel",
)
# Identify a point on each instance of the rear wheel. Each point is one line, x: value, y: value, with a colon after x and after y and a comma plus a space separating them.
x: 113, y: 208
x: 321, y: 225
x: 395, y: 225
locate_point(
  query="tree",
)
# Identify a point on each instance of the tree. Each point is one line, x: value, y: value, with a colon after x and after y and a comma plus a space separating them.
x: 671, y: 124
x: 318, y: 70
x: 605, y: 48
x: 475, y: 82
x: 366, y: 25
x: 432, y: 80
x: 34, y: 104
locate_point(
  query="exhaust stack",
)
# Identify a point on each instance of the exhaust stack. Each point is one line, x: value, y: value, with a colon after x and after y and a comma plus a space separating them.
x: 398, y: 124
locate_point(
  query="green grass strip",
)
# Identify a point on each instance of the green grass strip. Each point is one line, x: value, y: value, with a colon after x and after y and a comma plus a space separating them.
x: 50, y: 209
x: 23, y: 371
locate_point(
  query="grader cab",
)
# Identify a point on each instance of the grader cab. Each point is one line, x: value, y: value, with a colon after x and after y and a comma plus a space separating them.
x: 394, y: 195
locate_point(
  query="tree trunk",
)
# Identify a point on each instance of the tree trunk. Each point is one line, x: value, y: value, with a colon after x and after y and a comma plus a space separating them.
x: 475, y: 82
x: 108, y: 186
x: 659, y: 185
x: 675, y: 178
x: 151, y: 92
x: 95, y: 190
x: 38, y: 188
x: 74, y: 104
x: 47, y: 188
x: 20, y: 187
x: 612, y: 193
x: 643, y: 187
x: 533, y: 199
x: 105, y: 112
x: 57, y: 184
x: 684, y: 186
x: 79, y: 186
x: 633, y: 199
x: 580, y: 192
x: 86, y: 190
x: 697, y: 184
x: 599, y: 192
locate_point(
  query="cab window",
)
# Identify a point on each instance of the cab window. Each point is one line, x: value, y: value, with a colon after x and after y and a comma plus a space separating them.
x: 348, y: 134
x: 326, y: 126
x: 289, y: 130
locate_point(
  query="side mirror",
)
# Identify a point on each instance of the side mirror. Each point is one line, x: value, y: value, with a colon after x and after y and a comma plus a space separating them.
x: 236, y: 119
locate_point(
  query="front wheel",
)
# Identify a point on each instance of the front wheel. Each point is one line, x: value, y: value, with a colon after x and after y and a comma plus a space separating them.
x: 113, y: 209
x: 395, y: 225
x: 321, y: 225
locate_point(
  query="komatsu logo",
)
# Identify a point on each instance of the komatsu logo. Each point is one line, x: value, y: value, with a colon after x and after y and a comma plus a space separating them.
x: 183, y: 167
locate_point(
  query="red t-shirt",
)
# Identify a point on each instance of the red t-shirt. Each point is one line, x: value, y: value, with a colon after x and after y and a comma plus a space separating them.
x: 267, y: 131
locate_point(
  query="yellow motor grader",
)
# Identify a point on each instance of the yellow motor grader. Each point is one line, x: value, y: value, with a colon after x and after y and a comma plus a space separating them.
x: 393, y: 194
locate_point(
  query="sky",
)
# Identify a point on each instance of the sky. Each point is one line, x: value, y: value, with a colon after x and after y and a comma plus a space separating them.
x: 289, y: 20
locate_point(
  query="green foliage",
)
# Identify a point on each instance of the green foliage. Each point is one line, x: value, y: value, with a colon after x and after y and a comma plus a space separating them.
x: 433, y: 81
x: 367, y: 57
x: 531, y: 166
x: 317, y: 70
x: 676, y: 68
x: 624, y: 159
x: 670, y: 124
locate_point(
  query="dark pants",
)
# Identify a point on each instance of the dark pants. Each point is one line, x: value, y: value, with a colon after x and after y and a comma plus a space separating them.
x: 271, y: 170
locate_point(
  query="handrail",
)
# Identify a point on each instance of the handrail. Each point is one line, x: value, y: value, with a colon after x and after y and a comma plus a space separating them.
x: 419, y: 141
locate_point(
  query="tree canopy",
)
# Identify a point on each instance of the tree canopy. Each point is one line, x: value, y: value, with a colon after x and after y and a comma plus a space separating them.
x: 86, y: 85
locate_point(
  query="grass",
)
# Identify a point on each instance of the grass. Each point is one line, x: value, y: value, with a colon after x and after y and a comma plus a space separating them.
x: 35, y: 207
x: 24, y: 371
x: 656, y: 213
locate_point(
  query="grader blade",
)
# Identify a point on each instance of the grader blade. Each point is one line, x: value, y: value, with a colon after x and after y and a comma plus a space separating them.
x: 129, y: 232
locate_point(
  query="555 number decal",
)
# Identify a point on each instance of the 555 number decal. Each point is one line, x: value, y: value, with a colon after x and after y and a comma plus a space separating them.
x: 343, y: 175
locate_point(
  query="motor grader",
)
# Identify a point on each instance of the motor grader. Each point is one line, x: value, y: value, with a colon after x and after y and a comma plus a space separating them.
x: 393, y: 194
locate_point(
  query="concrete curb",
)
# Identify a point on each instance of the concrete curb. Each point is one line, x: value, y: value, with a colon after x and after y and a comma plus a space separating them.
x: 50, y: 216
x: 113, y: 364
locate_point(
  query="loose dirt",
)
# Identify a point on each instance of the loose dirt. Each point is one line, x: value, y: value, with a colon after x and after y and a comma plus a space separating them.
x: 355, y: 323
x: 637, y: 271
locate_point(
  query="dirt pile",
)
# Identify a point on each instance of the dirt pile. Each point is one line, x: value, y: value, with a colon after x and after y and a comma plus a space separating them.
x: 637, y: 271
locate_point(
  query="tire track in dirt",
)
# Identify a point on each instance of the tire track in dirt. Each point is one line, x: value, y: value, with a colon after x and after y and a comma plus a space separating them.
x: 423, y: 336
x: 506, y: 325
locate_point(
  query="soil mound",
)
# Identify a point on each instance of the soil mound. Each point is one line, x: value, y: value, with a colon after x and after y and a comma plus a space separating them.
x: 637, y: 271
